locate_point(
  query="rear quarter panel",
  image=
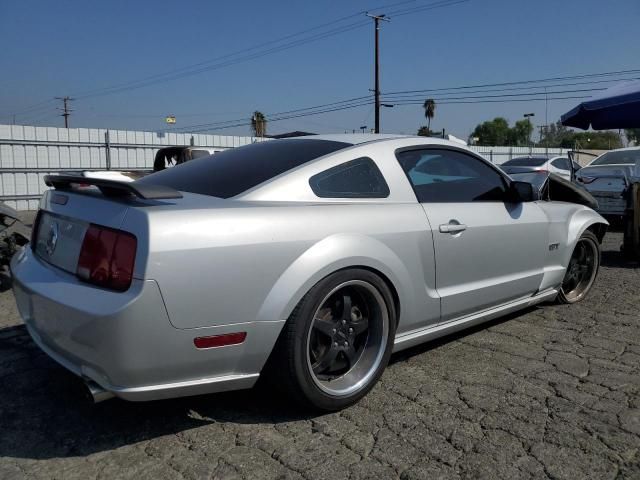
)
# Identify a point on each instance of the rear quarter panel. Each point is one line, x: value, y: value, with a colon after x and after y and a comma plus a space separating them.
x: 230, y: 265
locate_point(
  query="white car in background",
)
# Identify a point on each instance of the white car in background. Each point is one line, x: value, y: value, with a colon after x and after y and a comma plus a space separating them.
x: 559, y: 165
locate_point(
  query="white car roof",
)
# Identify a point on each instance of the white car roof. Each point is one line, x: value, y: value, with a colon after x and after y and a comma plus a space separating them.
x: 360, y: 138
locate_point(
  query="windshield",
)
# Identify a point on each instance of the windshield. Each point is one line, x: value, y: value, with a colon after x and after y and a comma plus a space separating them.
x: 526, y: 162
x: 229, y: 173
x: 618, y: 157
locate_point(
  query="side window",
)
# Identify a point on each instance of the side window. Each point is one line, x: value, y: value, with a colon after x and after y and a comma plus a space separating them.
x: 440, y: 175
x: 561, y: 163
x: 358, y: 178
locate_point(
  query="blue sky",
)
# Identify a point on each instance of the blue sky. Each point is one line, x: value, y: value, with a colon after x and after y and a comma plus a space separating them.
x: 70, y: 47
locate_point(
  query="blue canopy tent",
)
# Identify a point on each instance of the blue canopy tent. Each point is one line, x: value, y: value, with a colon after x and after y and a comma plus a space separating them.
x: 614, y: 108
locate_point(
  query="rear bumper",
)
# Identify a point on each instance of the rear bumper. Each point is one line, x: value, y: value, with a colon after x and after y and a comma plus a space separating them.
x: 125, y: 342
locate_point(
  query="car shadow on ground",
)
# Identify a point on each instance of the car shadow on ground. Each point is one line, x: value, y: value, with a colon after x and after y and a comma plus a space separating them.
x: 45, y: 414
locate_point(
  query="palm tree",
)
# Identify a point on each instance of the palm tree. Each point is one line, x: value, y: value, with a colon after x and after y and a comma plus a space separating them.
x: 258, y: 124
x: 429, y: 111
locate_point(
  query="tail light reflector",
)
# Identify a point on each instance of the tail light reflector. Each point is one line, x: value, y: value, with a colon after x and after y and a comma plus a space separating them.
x: 220, y: 340
x: 107, y: 257
x: 586, y: 179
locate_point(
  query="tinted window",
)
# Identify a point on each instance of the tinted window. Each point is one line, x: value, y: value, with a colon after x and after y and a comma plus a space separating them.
x: 355, y: 179
x: 526, y: 162
x: 199, y: 154
x: 233, y: 171
x: 451, y: 176
x: 561, y: 163
x: 618, y: 157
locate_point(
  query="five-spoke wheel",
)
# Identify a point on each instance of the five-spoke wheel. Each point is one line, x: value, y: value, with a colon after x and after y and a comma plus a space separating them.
x: 582, y: 269
x: 337, y: 341
x: 347, y: 337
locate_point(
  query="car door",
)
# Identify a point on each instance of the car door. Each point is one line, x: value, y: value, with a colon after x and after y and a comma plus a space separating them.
x: 488, y: 250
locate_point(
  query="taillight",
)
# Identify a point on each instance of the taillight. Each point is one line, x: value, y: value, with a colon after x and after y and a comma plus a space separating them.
x: 107, y: 257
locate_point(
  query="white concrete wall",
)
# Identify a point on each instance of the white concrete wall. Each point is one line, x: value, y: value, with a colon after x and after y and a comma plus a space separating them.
x: 29, y: 153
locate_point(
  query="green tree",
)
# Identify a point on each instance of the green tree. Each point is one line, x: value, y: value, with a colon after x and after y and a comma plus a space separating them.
x: 633, y: 135
x: 424, y: 131
x: 594, y: 140
x: 493, y: 132
x: 554, y: 135
x: 258, y: 124
x: 521, y: 133
x: 429, y: 111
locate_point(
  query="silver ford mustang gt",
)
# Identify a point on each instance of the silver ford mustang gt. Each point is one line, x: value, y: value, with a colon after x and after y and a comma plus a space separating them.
x: 307, y: 261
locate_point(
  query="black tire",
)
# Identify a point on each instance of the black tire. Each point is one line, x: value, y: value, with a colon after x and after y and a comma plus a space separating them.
x: 290, y: 367
x: 577, y: 284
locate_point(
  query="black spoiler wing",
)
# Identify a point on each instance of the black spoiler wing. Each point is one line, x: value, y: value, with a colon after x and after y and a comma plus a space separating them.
x: 113, y: 188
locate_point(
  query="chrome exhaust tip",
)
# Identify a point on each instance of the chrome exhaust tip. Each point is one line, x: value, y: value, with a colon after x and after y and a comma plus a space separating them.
x: 95, y: 393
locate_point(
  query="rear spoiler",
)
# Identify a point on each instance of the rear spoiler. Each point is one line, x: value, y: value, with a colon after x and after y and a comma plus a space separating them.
x: 113, y: 188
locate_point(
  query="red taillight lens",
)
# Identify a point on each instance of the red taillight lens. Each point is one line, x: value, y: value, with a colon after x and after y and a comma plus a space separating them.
x: 107, y: 257
x: 220, y: 340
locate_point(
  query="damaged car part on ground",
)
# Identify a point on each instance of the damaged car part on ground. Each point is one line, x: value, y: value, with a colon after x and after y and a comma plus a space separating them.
x: 13, y: 236
x: 310, y: 268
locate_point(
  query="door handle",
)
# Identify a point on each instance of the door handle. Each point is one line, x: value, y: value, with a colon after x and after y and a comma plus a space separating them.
x: 452, y: 227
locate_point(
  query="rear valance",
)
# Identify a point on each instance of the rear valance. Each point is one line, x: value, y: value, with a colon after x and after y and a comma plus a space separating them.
x: 113, y: 188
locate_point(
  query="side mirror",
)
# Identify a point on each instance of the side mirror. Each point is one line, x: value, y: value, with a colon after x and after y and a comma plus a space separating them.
x: 521, y: 192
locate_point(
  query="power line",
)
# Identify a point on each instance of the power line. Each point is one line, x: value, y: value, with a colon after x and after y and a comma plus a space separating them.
x: 523, y: 82
x: 507, y: 89
x: 453, y: 102
x: 238, y: 52
x: 580, y: 90
x: 208, y: 65
x: 275, y: 118
x: 388, y: 97
x: 35, y: 107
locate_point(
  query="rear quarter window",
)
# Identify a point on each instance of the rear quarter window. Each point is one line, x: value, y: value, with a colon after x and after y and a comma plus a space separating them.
x: 358, y: 178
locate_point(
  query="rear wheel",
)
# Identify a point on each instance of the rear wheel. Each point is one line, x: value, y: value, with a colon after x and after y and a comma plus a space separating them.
x: 582, y: 269
x: 337, y: 341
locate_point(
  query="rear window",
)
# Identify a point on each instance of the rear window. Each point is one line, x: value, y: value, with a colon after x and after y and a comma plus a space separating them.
x: 234, y: 171
x: 526, y: 162
x: 620, y: 157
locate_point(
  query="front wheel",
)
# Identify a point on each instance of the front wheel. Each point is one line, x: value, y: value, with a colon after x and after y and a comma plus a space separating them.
x: 337, y: 342
x: 582, y: 269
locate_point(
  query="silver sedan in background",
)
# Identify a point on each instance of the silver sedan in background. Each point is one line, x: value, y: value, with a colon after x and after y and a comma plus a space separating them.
x: 307, y: 261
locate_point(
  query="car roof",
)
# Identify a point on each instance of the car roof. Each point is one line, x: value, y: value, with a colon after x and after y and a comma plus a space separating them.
x: 352, y: 138
x: 537, y: 157
x: 356, y: 139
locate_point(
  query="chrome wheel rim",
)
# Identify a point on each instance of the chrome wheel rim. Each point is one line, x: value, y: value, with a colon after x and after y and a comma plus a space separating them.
x: 581, y: 271
x: 347, y: 338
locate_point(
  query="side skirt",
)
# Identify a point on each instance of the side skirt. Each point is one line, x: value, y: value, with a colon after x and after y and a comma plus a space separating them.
x: 422, y: 335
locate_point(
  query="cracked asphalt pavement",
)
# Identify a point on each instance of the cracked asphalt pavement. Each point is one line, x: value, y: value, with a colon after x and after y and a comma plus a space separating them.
x: 553, y: 392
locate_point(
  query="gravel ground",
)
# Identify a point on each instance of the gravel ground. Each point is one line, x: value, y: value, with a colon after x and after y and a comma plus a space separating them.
x: 553, y: 392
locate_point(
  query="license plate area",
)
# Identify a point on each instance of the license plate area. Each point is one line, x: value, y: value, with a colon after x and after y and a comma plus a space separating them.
x: 59, y: 240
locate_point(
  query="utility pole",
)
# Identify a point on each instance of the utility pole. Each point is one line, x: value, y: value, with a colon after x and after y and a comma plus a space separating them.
x: 65, y: 110
x: 376, y: 92
x: 527, y: 117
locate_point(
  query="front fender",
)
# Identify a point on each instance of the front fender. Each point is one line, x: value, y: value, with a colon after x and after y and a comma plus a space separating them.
x: 327, y: 256
x: 579, y: 222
